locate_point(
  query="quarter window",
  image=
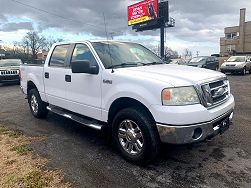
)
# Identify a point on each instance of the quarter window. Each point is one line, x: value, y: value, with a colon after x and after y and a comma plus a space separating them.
x: 58, y: 56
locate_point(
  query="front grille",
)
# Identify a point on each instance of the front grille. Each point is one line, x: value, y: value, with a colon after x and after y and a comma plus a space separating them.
x: 8, y: 72
x: 215, y: 92
x: 231, y: 65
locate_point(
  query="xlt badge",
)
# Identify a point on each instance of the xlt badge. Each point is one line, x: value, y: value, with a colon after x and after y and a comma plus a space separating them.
x: 107, y: 81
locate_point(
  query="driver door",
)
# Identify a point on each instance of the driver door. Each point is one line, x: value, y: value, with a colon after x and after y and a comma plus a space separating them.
x: 83, y: 90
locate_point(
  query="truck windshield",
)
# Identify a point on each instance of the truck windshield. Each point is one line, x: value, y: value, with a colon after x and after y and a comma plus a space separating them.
x: 10, y: 62
x: 123, y: 54
x: 236, y: 59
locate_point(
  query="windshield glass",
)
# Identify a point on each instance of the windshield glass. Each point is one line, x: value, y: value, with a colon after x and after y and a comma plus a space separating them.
x: 126, y: 54
x: 236, y: 59
x: 196, y: 60
x: 10, y: 62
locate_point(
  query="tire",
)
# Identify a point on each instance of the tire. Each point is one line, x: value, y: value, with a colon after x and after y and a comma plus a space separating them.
x: 243, y: 71
x: 37, y: 106
x: 135, y: 127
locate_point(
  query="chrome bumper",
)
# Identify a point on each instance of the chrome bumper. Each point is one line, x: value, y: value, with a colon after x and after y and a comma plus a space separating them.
x: 192, y: 133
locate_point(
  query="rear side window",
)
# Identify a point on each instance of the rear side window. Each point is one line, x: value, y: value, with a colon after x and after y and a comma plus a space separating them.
x: 58, y: 56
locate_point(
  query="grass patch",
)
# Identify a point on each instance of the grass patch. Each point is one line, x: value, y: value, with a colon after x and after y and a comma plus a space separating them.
x: 10, y: 132
x: 9, y: 180
x: 22, y: 150
x: 3, y: 129
x: 35, y: 179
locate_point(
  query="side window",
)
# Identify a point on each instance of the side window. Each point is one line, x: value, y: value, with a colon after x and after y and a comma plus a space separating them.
x: 81, y: 53
x: 58, y: 56
x: 210, y: 59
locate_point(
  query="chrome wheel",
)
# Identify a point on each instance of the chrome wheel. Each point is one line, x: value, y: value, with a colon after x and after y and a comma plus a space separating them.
x: 130, y: 137
x: 34, y: 104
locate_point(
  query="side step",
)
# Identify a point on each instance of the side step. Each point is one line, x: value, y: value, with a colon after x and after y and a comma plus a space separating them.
x: 78, y: 118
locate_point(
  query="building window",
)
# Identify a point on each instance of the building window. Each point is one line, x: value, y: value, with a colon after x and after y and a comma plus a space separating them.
x: 232, y: 35
x: 230, y: 48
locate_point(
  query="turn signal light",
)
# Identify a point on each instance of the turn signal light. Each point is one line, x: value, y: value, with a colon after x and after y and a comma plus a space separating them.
x: 166, y: 95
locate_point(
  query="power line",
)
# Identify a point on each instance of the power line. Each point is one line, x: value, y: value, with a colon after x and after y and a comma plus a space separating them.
x: 53, y: 14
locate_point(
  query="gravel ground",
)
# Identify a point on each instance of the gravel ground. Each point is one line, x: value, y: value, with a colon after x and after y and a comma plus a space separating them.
x: 88, y: 160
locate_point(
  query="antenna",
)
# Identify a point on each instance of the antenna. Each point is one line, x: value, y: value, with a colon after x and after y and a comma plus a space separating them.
x: 108, y: 42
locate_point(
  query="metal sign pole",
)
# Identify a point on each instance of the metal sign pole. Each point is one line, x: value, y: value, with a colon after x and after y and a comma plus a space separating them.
x: 162, y: 40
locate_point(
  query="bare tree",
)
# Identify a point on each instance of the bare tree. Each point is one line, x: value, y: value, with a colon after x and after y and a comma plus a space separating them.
x: 170, y: 54
x: 50, y: 41
x: 34, y: 42
x: 187, y: 54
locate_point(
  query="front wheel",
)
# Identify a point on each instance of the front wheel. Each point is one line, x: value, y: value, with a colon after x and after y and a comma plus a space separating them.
x: 135, y: 135
x: 243, y: 71
x: 37, y: 106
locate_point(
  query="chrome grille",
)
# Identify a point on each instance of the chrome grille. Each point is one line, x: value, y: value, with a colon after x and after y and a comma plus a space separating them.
x: 215, y: 92
x: 8, y: 72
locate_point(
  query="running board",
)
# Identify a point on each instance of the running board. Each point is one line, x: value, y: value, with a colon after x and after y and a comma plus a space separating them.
x: 84, y: 121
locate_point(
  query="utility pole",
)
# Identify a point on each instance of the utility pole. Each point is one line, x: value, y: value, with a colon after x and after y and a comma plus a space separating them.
x: 197, y: 53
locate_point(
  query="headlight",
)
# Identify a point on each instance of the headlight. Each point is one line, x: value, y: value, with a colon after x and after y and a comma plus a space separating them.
x: 179, y: 96
x: 241, y: 65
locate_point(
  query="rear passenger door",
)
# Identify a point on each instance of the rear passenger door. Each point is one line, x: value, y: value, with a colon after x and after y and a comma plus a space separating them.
x: 54, y: 76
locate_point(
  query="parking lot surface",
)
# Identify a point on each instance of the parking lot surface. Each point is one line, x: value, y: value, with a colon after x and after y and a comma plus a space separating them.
x: 88, y: 160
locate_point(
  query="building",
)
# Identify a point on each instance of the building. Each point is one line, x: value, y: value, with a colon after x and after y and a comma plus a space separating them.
x: 237, y: 39
x: 42, y: 55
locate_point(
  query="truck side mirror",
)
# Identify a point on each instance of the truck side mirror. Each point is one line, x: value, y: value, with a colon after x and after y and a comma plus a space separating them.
x: 84, y: 67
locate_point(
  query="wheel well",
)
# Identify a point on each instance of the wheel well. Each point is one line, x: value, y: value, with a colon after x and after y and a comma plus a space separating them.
x: 30, y: 85
x: 123, y: 103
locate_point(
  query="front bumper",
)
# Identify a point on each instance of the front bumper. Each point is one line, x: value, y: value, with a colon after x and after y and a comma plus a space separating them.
x: 9, y: 78
x: 231, y: 69
x: 192, y: 133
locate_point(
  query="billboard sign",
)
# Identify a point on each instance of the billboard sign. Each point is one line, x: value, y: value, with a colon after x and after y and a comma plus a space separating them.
x: 142, y: 12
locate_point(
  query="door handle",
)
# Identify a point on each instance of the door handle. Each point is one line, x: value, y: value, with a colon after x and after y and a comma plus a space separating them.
x: 68, y: 78
x: 46, y: 75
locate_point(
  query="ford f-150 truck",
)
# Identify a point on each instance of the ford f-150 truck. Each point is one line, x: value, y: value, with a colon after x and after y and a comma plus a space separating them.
x: 127, y: 90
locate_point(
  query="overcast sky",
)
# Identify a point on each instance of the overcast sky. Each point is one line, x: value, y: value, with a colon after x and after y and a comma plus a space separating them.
x: 199, y: 23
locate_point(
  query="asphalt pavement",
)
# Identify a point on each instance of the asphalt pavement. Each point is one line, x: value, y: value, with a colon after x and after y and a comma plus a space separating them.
x: 88, y: 160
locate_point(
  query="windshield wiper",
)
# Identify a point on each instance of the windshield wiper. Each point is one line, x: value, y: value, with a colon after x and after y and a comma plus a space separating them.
x: 122, y: 65
x: 152, y: 63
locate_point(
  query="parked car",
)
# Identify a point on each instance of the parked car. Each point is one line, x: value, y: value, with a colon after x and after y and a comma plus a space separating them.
x: 208, y: 62
x: 9, y: 70
x: 178, y: 61
x: 130, y: 92
x: 237, y: 64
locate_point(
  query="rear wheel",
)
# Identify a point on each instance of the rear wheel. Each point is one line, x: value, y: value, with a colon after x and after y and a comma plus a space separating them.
x: 37, y: 106
x: 135, y: 135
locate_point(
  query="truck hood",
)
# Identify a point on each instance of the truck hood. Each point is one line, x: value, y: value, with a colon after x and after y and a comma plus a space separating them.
x: 176, y: 75
x: 9, y: 68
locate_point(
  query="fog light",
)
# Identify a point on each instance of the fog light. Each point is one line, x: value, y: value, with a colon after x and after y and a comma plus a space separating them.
x: 197, y: 133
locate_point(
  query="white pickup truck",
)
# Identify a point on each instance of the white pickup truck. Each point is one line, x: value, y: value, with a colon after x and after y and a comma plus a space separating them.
x: 128, y: 90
